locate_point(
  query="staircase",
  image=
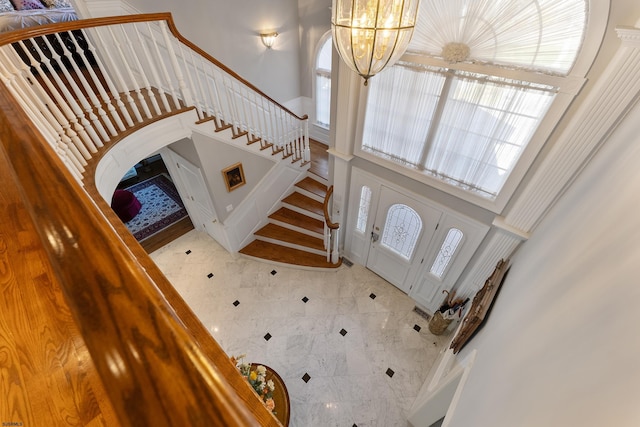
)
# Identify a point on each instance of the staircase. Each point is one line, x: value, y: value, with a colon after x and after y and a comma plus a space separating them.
x: 295, y: 232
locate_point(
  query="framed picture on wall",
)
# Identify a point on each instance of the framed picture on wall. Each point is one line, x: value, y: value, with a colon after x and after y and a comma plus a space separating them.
x: 233, y: 176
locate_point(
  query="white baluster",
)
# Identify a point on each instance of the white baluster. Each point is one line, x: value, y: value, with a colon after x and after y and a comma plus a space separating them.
x: 335, y: 255
x: 154, y: 71
x: 82, y: 140
x: 79, y: 97
x: 163, y: 67
x: 141, y: 71
x: 132, y: 78
x: 194, y: 92
x: 97, y: 124
x: 307, y: 145
x: 38, y: 96
x: 219, y: 99
x: 201, y: 94
x: 107, y: 79
x: 115, y: 69
x: 15, y: 83
x: 186, y: 93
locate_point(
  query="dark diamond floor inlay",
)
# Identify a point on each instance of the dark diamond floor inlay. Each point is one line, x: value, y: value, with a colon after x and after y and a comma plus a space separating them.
x: 188, y: 252
x: 372, y: 296
x: 305, y: 300
x: 343, y: 332
x: 273, y: 272
x: 236, y: 303
x: 210, y: 275
x: 390, y: 372
x: 417, y: 328
x: 267, y: 337
x: 306, y: 377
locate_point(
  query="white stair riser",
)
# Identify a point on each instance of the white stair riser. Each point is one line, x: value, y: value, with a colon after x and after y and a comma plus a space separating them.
x: 303, y: 211
x: 295, y: 228
x: 291, y: 245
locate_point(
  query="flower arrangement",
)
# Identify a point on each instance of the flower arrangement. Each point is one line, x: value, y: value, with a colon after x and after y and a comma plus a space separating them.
x: 257, y: 380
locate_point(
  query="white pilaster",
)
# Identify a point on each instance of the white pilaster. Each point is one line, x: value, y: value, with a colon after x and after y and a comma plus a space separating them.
x: 610, y: 100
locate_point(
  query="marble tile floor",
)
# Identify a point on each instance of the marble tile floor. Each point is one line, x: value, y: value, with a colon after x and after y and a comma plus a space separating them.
x: 348, y: 345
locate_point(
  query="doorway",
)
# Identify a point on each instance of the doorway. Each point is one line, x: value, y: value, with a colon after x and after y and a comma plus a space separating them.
x: 150, y: 177
x: 416, y: 245
x: 401, y: 233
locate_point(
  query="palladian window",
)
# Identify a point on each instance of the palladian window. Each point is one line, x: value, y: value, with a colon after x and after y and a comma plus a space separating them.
x: 465, y: 101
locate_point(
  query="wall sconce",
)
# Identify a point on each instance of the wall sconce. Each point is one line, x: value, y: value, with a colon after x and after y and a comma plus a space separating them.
x: 268, y: 38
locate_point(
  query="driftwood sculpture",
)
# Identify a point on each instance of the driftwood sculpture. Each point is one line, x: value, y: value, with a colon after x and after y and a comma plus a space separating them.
x: 480, y: 306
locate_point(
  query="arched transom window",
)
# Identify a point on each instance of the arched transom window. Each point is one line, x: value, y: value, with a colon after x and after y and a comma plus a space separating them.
x: 479, y: 78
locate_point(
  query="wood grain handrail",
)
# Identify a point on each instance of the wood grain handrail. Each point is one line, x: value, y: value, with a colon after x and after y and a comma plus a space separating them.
x: 42, y: 30
x: 154, y: 370
x: 325, y: 207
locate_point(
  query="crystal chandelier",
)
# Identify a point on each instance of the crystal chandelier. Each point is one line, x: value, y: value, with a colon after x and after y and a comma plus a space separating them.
x: 372, y: 34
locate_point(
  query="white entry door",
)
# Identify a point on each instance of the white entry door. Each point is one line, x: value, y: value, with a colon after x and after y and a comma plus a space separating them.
x: 402, y: 232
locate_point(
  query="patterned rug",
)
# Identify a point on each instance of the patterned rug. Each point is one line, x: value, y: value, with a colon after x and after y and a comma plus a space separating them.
x: 161, y: 206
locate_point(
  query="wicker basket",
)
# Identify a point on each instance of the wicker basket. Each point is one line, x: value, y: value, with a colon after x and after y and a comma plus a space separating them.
x: 438, y: 324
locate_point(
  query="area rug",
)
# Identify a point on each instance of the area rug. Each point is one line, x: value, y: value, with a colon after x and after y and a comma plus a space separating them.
x: 161, y: 206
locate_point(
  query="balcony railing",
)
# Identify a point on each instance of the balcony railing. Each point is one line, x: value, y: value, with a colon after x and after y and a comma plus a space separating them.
x: 68, y: 90
x: 86, y: 82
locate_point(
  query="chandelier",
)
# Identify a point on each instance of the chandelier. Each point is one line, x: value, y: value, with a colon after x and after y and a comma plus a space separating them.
x: 371, y: 34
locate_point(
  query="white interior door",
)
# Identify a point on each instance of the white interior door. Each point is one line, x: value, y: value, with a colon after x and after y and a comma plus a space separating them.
x: 402, y: 231
x: 193, y: 191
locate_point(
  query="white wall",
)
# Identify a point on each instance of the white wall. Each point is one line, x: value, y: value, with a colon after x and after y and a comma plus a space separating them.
x: 229, y: 31
x: 212, y: 156
x: 561, y: 346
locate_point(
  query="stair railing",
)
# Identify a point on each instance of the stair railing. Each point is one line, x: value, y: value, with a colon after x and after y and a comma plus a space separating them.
x: 331, y: 231
x: 86, y: 82
x: 157, y: 362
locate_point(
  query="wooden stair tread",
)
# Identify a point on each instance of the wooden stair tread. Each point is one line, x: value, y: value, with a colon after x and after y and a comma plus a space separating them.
x: 298, y: 220
x: 307, y: 203
x: 311, y: 185
x: 274, y: 231
x: 283, y: 254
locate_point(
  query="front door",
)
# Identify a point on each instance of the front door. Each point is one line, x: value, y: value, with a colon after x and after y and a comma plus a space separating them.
x: 402, y: 231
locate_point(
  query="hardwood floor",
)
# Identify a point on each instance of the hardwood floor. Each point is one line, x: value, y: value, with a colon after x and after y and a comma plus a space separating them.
x: 167, y: 235
x: 319, y: 159
x: 47, y: 374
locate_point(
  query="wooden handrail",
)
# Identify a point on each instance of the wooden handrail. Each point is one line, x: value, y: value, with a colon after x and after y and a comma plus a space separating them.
x: 42, y: 30
x: 325, y: 207
x: 154, y: 370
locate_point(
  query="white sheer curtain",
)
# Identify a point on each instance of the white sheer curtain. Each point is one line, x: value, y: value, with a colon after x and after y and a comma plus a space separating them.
x: 533, y: 34
x: 400, y: 108
x: 485, y: 125
x: 464, y: 128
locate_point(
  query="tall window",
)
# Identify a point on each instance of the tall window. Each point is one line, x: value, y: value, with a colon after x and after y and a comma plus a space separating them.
x: 469, y: 129
x: 323, y: 81
x: 447, y: 250
x: 363, y: 210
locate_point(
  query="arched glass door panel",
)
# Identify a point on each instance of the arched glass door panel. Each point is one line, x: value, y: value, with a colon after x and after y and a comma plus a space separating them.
x: 401, y: 230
